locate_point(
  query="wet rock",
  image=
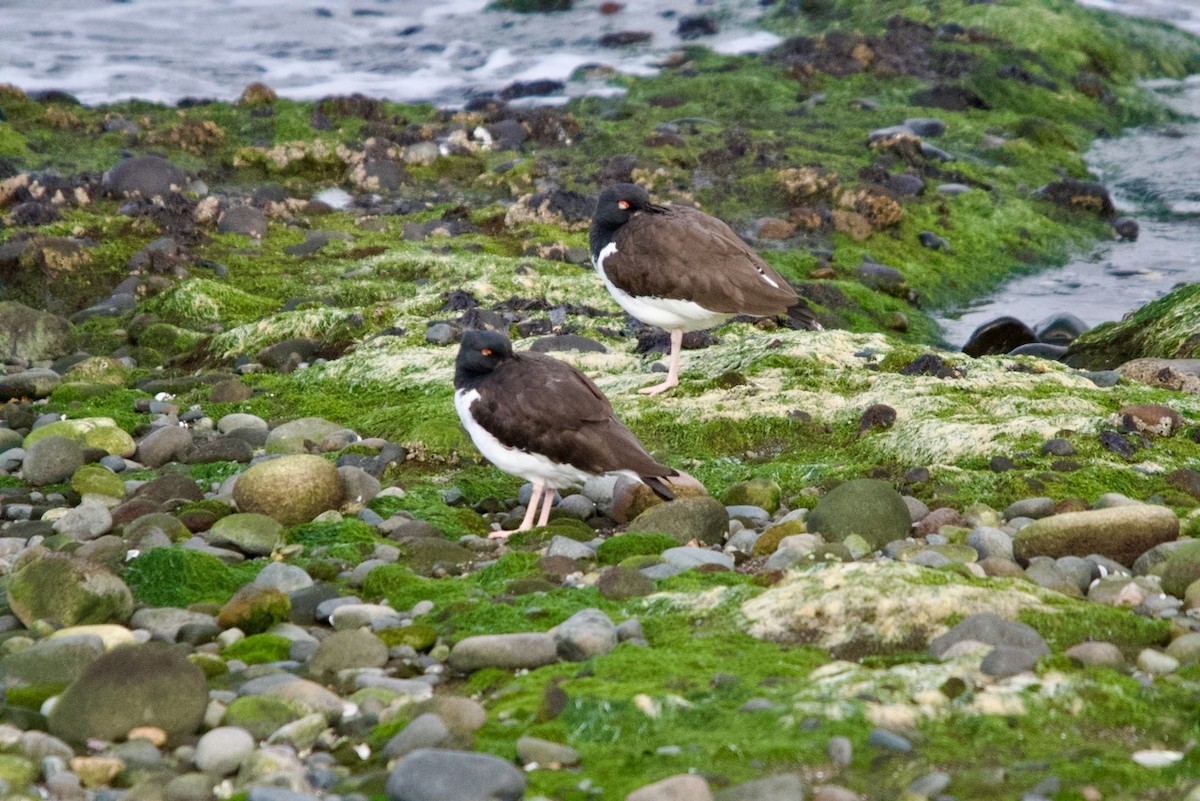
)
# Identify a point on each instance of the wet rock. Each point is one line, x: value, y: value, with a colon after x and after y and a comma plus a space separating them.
x: 686, y: 558
x: 1126, y: 228
x: 868, y: 508
x: 1040, y: 350
x: 504, y: 651
x: 254, y: 609
x: 1079, y: 195
x: 170, y: 486
x: 222, y: 449
x: 701, y: 519
x: 431, y: 774
x: 998, y: 336
x: 28, y: 334
x: 139, y: 685
x: 1122, y: 533
x: 695, y: 26
x: 143, y: 176
x: 291, y: 489
x: 33, y: 384
x: 1060, y: 329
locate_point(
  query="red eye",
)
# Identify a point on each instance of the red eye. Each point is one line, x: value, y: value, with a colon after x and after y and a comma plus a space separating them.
x: 486, y: 351
x: 623, y: 204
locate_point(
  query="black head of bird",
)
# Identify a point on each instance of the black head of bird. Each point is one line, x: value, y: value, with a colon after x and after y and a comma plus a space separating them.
x: 479, y: 353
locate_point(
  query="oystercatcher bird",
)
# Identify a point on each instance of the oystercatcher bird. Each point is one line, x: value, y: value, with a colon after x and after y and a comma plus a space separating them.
x: 681, y: 269
x: 541, y: 419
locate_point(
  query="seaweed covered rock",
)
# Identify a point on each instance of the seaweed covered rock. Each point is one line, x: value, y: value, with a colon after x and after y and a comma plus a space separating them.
x: 1166, y: 328
x: 1122, y: 533
x: 66, y: 591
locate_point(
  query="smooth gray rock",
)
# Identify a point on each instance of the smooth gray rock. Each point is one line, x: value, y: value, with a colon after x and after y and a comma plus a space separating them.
x: 37, y: 382
x: 162, y: 445
x: 572, y: 549
x: 251, y: 533
x: 1006, y: 660
x: 51, y: 460
x: 702, y: 519
x: 784, y: 787
x: 53, y: 661
x: 444, y: 775
x: 585, y: 634
x: 244, y: 220
x: 426, y: 730
x: 220, y: 751
x: 345, y: 650
x: 505, y: 651
x: 164, y: 622
x: 990, y: 629
x: 144, y: 176
x: 358, y: 486
x: 689, y: 557
x: 285, y: 577
x: 545, y: 753
x: 85, y: 522
x: 991, y: 542
x: 1035, y: 508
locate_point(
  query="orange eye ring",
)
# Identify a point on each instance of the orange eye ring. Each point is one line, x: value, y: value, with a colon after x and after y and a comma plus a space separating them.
x: 486, y: 351
x: 623, y: 204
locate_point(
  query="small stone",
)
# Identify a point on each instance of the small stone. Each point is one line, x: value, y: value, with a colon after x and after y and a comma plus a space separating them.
x: 1093, y: 653
x: 1156, y: 663
x: 1005, y: 660
x: 504, y: 651
x: 889, y: 741
x: 991, y: 629
x: 220, y: 751
x: 546, y: 754
x: 586, y: 634
x: 426, y: 730
x: 840, y: 751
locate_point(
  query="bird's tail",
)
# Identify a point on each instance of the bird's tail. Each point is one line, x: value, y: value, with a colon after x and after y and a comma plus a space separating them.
x: 801, y: 317
x: 660, y: 489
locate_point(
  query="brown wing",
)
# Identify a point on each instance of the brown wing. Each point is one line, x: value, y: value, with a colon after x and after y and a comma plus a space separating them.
x: 546, y: 406
x: 689, y: 255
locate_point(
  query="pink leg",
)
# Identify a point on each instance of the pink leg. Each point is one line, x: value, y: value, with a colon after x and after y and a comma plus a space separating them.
x: 527, y: 523
x: 547, y: 505
x: 672, y: 369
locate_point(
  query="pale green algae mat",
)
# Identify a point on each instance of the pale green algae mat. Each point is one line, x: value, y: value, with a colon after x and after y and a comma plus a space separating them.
x: 986, y: 656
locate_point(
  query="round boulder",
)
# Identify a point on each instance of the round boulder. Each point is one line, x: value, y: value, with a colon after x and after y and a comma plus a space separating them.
x: 432, y: 774
x: 137, y: 685
x: 867, y: 507
x: 255, y: 534
x: 291, y: 489
x: 143, y: 176
x: 51, y: 460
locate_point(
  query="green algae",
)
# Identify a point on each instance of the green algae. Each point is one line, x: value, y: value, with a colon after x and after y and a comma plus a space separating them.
x: 1094, y: 621
x: 1164, y: 328
x: 426, y: 503
x: 258, y: 648
x: 350, y: 539
x: 179, y: 577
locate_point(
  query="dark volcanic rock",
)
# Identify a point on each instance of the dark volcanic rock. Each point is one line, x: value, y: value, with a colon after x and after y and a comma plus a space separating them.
x: 143, y: 176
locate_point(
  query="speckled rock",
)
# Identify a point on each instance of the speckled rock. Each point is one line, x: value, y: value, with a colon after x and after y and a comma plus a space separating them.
x: 702, y: 519
x: 866, y: 507
x: 29, y: 334
x: 291, y: 489
x: 138, y: 685
x: 1122, y: 533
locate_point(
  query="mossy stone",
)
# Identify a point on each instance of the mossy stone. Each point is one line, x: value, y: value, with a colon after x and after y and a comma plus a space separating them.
x: 419, y: 636
x: 867, y: 507
x: 615, y: 550
x: 291, y: 489
x: 1166, y: 328
x: 254, y: 609
x: 169, y: 339
x: 201, y: 515
x: 761, y: 492
x: 262, y: 714
x: 254, y: 534
x: 98, y: 370
x: 685, y: 519
x: 170, y: 526
x: 426, y: 555
x: 259, y: 648
x: 619, y: 583
x: 135, y: 685
x: 67, y: 592
x: 91, y: 432
x: 30, y: 334
x: 97, y: 480
x: 17, y: 772
x: 1181, y: 569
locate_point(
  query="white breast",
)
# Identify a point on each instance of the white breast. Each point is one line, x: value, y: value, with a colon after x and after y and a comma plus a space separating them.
x: 529, y: 466
x: 668, y: 313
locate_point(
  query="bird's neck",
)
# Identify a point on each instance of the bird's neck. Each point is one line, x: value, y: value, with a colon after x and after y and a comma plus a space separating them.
x: 599, y: 236
x: 465, y: 378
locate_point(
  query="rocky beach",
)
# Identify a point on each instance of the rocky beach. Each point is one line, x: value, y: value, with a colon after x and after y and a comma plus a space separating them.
x: 244, y: 538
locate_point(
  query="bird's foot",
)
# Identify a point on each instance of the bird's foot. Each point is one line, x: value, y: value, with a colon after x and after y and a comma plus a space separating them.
x: 503, y: 534
x: 658, y: 389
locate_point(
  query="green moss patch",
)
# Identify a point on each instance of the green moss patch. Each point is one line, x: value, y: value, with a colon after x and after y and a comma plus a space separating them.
x: 180, y: 577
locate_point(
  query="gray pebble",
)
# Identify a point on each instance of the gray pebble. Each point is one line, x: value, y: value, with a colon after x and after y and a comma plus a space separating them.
x: 1005, y: 660
x: 440, y: 334
x: 1035, y: 508
x: 578, y: 506
x: 429, y: 774
x: 889, y: 741
x: 572, y: 549
x: 283, y: 576
x: 688, y: 557
x: 585, y: 634
x: 220, y: 751
x: 752, y: 516
x: 426, y: 730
